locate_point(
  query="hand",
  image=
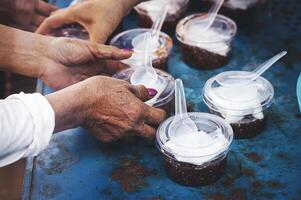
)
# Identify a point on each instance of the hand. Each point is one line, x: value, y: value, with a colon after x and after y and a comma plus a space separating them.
x: 59, y: 62
x: 24, y: 14
x: 109, y: 108
x: 99, y: 17
x: 70, y: 61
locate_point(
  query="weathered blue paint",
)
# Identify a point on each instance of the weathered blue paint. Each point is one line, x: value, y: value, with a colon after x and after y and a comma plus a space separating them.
x: 299, y: 92
x: 76, y: 166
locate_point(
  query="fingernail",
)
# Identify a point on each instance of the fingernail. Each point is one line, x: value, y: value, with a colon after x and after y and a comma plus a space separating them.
x: 127, y: 50
x: 152, y: 92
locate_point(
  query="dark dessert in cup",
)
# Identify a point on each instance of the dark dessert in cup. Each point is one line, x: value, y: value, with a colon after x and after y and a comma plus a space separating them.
x: 160, y: 51
x: 165, y: 96
x: 206, y: 49
x: 148, y: 11
x: 72, y: 31
x: 196, y: 159
x: 242, y: 106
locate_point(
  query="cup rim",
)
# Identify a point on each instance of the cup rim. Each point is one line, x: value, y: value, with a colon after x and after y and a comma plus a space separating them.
x: 265, y: 104
x: 168, y: 98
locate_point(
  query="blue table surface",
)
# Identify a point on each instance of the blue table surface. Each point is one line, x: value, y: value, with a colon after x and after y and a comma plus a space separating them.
x: 76, y: 166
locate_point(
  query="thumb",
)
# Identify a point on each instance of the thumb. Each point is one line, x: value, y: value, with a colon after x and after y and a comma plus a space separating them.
x: 142, y: 93
x: 105, y: 52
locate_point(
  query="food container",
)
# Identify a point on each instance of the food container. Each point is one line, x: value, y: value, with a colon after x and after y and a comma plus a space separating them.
x: 196, y: 159
x: 165, y: 87
x: 242, y: 105
x: 206, y: 49
x: 160, y: 52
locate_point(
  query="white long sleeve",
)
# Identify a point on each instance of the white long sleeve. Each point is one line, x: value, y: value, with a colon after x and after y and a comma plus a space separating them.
x: 26, y: 125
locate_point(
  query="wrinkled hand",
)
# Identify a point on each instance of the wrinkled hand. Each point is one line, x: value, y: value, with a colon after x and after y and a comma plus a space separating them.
x: 111, y: 109
x: 24, y: 14
x: 69, y: 61
x: 99, y: 17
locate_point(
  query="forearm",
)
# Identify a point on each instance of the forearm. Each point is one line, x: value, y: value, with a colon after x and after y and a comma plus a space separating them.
x: 21, y: 52
x: 68, y: 107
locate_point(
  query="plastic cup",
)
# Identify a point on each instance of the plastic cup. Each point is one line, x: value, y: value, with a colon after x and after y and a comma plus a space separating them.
x: 243, y: 106
x: 165, y: 96
x: 147, y: 12
x: 71, y: 31
x: 160, y: 55
x: 196, y: 163
x: 206, y: 49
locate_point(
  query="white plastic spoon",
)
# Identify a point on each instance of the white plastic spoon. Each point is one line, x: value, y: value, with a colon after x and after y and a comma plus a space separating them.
x: 181, y: 123
x: 154, y: 30
x: 248, y: 78
x: 208, y: 19
x: 146, y: 75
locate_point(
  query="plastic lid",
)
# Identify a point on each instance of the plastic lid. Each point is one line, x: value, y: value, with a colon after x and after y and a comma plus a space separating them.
x: 188, y: 31
x: 237, y: 99
x: 165, y: 86
x: 155, y: 6
x: 72, y: 31
x: 213, y: 140
x: 125, y: 40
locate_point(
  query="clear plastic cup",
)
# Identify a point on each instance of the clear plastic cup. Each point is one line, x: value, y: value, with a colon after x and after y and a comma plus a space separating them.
x: 243, y: 106
x: 242, y: 12
x: 165, y: 96
x: 196, y: 162
x: 160, y: 54
x: 148, y: 11
x: 71, y: 31
x: 207, y: 49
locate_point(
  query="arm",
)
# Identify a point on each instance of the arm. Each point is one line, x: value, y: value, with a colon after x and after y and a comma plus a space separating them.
x: 109, y: 108
x: 59, y: 62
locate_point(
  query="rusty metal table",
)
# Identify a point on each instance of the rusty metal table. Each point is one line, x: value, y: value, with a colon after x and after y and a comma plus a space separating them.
x: 76, y: 166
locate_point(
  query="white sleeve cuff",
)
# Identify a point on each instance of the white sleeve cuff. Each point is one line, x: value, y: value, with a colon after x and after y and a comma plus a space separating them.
x: 43, y: 119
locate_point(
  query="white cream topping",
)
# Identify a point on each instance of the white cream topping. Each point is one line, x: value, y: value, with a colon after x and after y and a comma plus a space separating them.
x: 240, y: 4
x: 197, y: 148
x: 212, y: 39
x: 139, y: 46
x: 154, y: 7
x: 237, y: 102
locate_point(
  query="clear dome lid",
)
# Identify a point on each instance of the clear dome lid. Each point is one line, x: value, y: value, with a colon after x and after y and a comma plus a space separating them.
x: 189, y: 31
x: 128, y: 40
x: 165, y: 86
x: 236, y: 98
x: 212, y: 140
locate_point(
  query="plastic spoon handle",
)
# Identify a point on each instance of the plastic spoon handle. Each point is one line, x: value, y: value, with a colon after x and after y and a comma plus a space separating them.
x: 266, y: 65
x: 213, y: 12
x: 157, y: 26
x: 148, y: 60
x: 180, y: 100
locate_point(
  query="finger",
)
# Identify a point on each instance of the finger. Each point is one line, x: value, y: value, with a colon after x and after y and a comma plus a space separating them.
x: 37, y: 20
x: 140, y: 92
x: 154, y: 116
x: 53, y: 22
x: 44, y: 8
x: 145, y: 131
x: 109, y: 52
